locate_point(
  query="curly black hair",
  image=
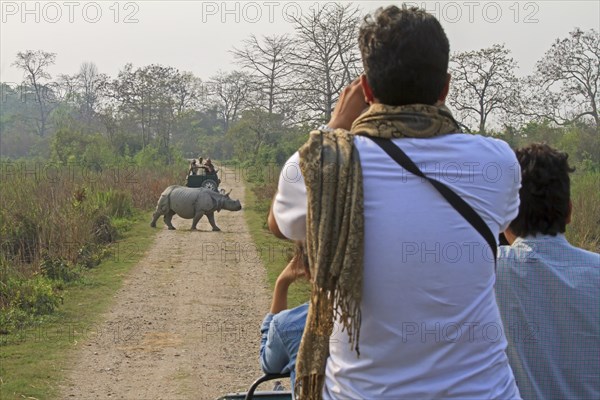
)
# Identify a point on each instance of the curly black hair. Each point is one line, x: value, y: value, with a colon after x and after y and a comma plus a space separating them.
x: 545, y: 191
x: 405, y: 55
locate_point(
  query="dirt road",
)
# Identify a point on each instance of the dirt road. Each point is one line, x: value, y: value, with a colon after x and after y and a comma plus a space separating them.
x: 185, y: 324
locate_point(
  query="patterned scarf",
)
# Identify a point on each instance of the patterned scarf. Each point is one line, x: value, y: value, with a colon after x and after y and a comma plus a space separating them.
x: 335, y: 227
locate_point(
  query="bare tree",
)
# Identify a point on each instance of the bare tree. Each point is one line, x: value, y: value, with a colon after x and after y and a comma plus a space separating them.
x: 84, y: 91
x: 483, y: 84
x: 230, y: 92
x: 325, y: 56
x: 91, y: 83
x: 268, y: 62
x: 34, y: 65
x: 187, y: 89
x: 564, y: 87
x: 69, y: 87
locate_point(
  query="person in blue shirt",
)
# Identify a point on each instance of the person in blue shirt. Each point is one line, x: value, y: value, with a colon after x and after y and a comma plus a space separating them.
x: 548, y: 291
x: 282, y: 328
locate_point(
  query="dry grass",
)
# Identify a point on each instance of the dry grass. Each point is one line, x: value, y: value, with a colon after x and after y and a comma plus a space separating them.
x: 58, y: 211
x: 584, y: 229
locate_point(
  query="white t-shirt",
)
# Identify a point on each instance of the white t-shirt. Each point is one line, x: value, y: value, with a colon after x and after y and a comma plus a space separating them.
x: 430, y: 324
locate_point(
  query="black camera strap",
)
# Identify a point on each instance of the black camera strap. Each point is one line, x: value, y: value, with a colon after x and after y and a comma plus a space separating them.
x: 455, y: 200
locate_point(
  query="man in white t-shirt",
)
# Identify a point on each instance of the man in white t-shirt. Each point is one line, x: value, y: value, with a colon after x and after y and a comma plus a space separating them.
x: 429, y: 324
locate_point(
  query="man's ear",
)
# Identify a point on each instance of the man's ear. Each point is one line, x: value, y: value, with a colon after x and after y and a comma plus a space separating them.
x: 445, y: 90
x: 369, y: 98
x: 569, y: 211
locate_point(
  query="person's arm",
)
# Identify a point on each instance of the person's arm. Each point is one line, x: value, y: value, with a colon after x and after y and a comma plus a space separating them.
x: 292, y: 272
x: 272, y: 224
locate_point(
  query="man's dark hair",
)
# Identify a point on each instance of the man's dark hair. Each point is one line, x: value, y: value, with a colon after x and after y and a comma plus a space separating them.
x: 545, y: 191
x: 405, y: 55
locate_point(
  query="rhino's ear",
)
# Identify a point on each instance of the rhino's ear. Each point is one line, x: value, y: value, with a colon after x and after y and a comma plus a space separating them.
x: 227, y: 194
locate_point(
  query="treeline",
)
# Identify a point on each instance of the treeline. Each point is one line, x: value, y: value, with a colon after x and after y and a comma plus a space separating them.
x: 261, y: 111
x: 284, y: 86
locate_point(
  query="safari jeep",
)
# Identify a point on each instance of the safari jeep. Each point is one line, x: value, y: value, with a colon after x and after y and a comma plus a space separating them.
x: 204, y: 180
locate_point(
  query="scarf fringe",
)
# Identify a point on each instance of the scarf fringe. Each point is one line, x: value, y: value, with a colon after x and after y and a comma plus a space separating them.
x: 310, y: 387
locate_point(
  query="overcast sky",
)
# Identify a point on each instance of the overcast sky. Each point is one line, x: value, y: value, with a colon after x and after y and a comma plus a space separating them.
x: 196, y: 35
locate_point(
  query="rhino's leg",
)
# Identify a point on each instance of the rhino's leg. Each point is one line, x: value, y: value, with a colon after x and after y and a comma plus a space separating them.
x: 211, y: 219
x: 196, y: 219
x: 167, y: 219
x: 155, y: 217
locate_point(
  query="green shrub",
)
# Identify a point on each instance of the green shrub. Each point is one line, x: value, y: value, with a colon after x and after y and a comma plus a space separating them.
x: 20, y: 237
x: 26, y: 301
x: 35, y: 296
x: 13, y: 319
x: 58, y: 269
x: 91, y: 254
x: 103, y: 231
x: 115, y: 203
x: 122, y: 225
x: 154, y: 157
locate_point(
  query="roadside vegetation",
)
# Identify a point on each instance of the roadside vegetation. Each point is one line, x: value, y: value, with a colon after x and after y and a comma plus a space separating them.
x: 59, y: 222
x: 70, y: 231
x: 275, y: 253
x: 37, y: 350
x: 584, y: 229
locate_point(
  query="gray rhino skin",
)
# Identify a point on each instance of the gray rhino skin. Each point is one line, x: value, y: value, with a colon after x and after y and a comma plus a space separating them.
x: 191, y: 203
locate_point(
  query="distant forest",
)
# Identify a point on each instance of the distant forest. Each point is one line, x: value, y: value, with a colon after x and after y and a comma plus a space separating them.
x: 283, y: 86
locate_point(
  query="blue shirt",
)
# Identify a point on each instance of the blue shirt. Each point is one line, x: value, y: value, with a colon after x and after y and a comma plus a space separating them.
x: 548, y: 293
x: 280, y: 339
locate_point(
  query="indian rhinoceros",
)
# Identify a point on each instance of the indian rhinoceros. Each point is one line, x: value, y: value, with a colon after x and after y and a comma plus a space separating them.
x: 193, y: 203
